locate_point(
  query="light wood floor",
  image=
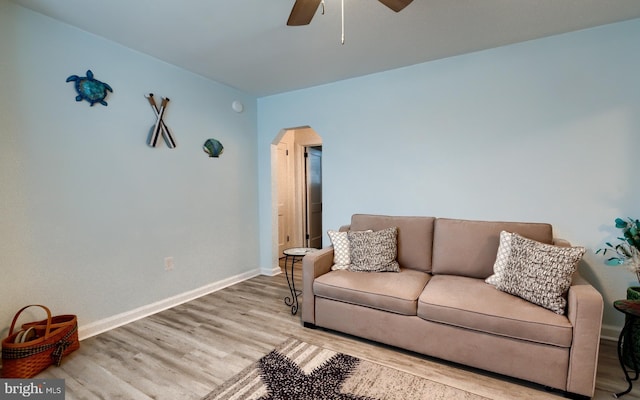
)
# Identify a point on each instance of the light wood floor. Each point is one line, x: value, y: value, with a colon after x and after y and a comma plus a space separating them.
x: 186, y: 351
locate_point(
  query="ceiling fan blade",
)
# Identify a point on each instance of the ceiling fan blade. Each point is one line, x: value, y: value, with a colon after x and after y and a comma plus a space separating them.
x: 396, y: 5
x: 302, y: 12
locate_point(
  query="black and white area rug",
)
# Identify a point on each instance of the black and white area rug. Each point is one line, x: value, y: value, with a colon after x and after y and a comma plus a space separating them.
x: 301, y: 371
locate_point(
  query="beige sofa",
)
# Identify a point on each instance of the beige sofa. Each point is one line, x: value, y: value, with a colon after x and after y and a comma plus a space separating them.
x: 440, y: 305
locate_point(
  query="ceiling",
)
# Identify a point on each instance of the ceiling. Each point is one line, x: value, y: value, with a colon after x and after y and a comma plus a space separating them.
x: 246, y: 44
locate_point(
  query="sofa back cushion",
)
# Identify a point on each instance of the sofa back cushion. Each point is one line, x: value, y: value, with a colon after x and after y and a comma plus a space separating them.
x: 469, y: 248
x: 415, y: 237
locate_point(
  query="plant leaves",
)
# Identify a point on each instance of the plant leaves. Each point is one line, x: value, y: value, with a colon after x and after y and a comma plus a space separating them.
x: 614, y: 262
x: 620, y: 223
x: 629, y: 242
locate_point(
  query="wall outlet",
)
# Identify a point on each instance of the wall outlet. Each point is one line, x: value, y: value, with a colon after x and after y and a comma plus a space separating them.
x: 168, y: 263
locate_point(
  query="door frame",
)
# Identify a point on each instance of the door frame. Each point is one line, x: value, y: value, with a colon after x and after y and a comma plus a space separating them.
x: 298, y: 161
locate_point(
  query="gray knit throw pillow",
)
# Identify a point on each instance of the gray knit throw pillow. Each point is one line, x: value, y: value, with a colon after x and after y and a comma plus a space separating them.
x: 374, y: 251
x: 540, y: 273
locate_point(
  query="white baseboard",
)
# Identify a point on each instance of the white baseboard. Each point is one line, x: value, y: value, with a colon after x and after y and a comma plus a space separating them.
x: 276, y: 270
x: 115, y: 321
x: 610, y: 332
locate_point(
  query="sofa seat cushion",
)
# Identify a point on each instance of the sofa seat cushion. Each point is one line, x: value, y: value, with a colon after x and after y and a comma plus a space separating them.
x: 395, y: 292
x: 473, y: 304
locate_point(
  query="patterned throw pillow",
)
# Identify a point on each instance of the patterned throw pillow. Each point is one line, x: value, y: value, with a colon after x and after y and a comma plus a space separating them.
x: 540, y: 273
x: 502, y: 258
x: 374, y: 251
x: 341, y: 249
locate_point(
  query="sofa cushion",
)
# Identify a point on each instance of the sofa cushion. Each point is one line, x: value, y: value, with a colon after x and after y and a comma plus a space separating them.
x: 415, y: 237
x: 397, y: 293
x: 540, y: 273
x: 374, y: 251
x: 453, y: 300
x: 468, y: 248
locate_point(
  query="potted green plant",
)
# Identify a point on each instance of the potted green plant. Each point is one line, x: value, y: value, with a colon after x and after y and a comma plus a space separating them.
x: 627, y: 253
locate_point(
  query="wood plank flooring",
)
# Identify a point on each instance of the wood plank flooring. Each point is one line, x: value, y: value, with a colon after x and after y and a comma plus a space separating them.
x: 186, y: 351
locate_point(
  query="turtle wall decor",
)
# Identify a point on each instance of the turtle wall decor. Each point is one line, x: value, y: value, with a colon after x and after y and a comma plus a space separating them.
x: 90, y: 89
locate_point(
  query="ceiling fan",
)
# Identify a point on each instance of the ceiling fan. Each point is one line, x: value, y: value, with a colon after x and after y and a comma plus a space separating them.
x: 304, y: 10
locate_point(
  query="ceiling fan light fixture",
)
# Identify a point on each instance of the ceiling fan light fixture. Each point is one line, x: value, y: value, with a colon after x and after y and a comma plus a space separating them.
x: 396, y: 5
x: 304, y: 10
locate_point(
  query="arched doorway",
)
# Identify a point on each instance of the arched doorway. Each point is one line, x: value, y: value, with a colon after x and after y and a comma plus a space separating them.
x: 296, y: 183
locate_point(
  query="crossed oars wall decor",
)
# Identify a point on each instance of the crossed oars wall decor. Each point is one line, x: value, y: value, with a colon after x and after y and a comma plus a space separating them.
x: 160, y: 126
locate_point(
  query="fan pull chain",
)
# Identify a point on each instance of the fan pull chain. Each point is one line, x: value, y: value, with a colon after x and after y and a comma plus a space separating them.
x: 322, y: 7
x: 343, y: 22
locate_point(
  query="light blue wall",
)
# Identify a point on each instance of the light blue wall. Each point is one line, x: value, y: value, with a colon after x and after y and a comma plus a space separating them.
x: 87, y: 210
x: 546, y: 130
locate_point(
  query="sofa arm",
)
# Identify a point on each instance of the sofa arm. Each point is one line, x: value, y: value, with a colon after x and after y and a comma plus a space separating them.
x: 313, y: 265
x: 584, y: 310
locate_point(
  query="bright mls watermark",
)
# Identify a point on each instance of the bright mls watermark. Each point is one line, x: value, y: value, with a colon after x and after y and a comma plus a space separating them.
x: 40, y: 389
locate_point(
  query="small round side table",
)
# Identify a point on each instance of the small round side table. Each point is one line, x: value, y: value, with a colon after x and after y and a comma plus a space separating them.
x: 631, y: 309
x: 294, y: 254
